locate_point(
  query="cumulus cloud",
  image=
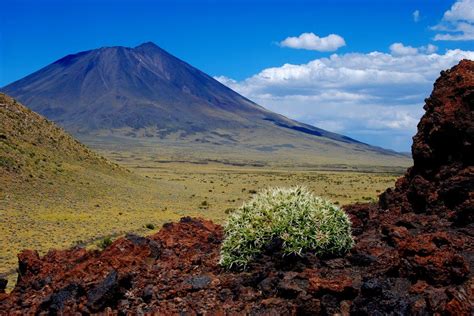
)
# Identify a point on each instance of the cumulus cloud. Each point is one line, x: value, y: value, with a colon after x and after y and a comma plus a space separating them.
x: 457, y: 23
x: 311, y: 41
x: 375, y: 97
x: 462, y: 10
x: 398, y: 49
x: 429, y: 49
x: 416, y: 15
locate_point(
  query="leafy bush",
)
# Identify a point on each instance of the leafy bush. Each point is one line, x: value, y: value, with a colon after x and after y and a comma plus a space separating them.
x: 301, y: 221
x: 150, y: 226
x: 7, y: 162
x: 104, y: 243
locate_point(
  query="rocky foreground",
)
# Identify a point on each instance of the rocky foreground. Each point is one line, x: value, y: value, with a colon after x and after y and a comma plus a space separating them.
x: 414, y: 251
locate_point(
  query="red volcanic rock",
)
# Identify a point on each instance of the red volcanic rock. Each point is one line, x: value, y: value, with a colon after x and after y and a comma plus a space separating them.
x: 414, y: 251
x: 441, y: 180
x: 176, y: 270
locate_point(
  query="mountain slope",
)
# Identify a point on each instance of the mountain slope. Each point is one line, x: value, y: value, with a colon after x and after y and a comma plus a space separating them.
x: 144, y: 92
x: 33, y: 148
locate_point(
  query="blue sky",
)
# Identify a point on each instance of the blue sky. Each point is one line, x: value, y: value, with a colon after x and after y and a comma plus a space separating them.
x: 242, y: 44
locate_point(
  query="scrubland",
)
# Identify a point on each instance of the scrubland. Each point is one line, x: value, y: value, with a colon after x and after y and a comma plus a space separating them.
x: 63, y: 214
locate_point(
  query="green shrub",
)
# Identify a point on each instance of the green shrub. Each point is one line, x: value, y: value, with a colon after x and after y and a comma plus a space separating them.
x: 301, y: 221
x: 104, y: 243
x: 7, y: 162
x: 150, y: 226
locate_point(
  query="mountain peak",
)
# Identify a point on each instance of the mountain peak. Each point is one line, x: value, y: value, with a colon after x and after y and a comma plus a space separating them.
x: 147, y: 45
x: 150, y: 48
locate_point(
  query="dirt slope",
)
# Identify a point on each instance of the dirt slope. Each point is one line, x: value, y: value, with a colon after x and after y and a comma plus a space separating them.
x: 34, y: 150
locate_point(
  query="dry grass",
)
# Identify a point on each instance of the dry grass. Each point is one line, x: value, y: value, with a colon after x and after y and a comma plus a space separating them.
x: 51, y: 217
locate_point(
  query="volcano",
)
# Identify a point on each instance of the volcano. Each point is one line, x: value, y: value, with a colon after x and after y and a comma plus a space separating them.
x: 146, y: 93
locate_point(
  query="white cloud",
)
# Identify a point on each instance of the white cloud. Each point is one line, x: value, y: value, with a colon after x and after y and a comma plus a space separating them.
x: 462, y: 10
x: 416, y: 15
x: 459, y: 32
x: 457, y: 23
x: 374, y: 97
x: 429, y: 49
x: 226, y: 80
x: 311, y: 41
x: 398, y: 49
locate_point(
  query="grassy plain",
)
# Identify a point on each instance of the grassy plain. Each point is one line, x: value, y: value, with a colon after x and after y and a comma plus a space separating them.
x: 59, y: 216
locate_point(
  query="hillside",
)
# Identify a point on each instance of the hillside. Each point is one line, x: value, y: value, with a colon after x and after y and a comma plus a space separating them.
x: 413, y: 253
x: 147, y: 98
x: 54, y: 191
x: 35, y: 150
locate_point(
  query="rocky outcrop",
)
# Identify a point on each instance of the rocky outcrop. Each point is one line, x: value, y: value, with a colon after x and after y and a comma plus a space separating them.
x: 414, y: 251
x: 391, y: 269
x: 441, y: 180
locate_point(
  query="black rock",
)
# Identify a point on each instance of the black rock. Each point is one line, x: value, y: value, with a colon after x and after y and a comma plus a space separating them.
x: 104, y: 292
x: 361, y: 259
x: 199, y: 282
x: 147, y: 295
x: 56, y: 301
x: 3, y: 285
x: 155, y: 248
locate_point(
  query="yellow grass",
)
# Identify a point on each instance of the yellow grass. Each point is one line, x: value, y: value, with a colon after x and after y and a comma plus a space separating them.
x: 45, y: 218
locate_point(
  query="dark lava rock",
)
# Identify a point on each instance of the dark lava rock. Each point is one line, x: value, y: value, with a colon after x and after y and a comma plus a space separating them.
x: 148, y: 293
x: 155, y: 248
x: 414, y: 251
x: 384, y: 296
x: 55, y: 303
x: 199, y: 282
x: 103, y: 293
x: 3, y: 285
x: 362, y: 260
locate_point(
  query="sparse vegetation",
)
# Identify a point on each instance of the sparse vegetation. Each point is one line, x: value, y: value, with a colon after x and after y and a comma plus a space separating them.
x: 104, y: 243
x: 150, y: 226
x: 128, y: 204
x: 229, y: 210
x: 7, y: 162
x: 299, y: 220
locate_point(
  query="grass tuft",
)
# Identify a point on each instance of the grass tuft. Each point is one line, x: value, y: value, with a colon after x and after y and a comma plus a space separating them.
x: 302, y: 222
x: 150, y: 226
x: 104, y: 243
